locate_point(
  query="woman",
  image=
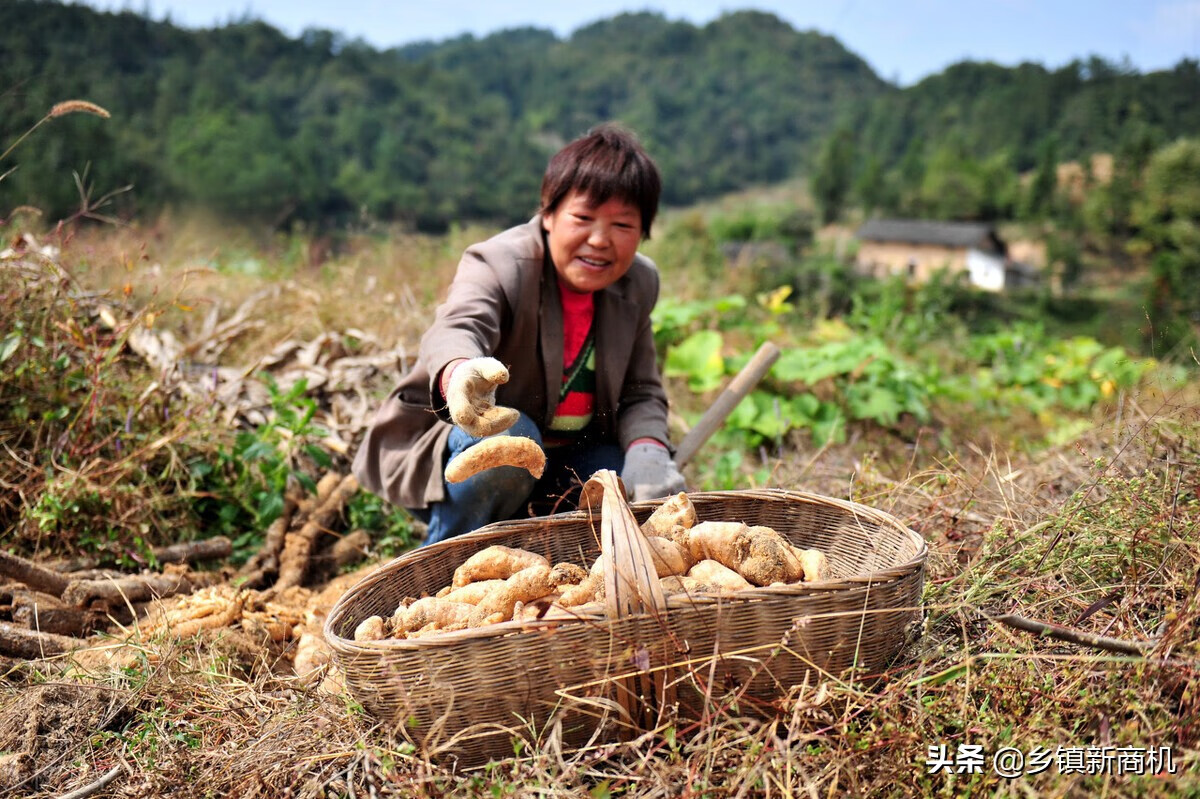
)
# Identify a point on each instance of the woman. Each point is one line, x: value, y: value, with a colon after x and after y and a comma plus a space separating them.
x: 551, y: 318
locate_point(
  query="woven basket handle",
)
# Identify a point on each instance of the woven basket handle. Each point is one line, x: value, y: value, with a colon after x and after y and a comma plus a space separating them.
x: 630, y: 587
x: 630, y: 582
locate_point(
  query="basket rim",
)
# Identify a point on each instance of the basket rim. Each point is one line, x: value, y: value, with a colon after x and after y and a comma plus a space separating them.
x: 484, y: 535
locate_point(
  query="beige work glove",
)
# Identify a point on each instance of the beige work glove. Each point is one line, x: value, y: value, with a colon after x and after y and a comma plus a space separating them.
x: 471, y: 397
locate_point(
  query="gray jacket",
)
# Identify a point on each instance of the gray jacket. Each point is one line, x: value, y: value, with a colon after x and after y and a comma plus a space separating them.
x: 504, y: 303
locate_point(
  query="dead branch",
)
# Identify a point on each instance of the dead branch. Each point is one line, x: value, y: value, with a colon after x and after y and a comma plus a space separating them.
x: 1073, y: 636
x: 114, y: 593
x: 297, y: 548
x: 29, y: 644
x: 215, y: 548
x: 212, y: 342
x: 97, y: 785
x: 36, y: 577
x: 49, y: 614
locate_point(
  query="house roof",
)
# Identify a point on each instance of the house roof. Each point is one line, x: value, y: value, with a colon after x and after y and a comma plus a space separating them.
x: 921, y: 231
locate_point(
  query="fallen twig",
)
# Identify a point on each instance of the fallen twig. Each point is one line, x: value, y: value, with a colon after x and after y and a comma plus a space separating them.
x: 1071, y: 635
x: 97, y: 785
x: 36, y: 577
x: 18, y: 642
x: 214, y: 548
x: 49, y: 614
x: 113, y: 593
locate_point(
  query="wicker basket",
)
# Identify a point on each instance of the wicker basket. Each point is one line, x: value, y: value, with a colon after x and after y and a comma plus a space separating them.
x: 464, y: 696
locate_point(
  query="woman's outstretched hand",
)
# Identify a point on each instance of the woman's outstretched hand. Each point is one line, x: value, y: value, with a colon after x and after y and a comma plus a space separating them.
x: 471, y: 396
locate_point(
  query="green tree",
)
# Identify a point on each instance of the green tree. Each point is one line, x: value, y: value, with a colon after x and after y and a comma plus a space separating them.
x: 870, y: 187
x: 1039, y: 199
x: 1168, y: 217
x: 833, y: 175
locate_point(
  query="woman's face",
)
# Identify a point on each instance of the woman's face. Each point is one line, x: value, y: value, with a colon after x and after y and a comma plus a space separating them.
x: 592, y: 246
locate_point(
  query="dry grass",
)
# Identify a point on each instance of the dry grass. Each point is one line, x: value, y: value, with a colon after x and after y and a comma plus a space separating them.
x: 1114, y: 515
x: 1098, y: 535
x: 384, y: 282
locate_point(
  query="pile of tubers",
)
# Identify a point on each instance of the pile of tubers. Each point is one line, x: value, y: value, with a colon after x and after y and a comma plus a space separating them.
x: 501, y: 583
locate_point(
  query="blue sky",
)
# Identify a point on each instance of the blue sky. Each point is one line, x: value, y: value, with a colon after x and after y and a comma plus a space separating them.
x: 903, y: 41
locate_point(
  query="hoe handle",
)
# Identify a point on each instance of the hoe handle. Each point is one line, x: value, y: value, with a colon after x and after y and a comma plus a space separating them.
x: 715, y: 416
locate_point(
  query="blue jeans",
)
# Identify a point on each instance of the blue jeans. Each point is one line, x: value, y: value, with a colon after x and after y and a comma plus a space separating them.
x: 507, y: 492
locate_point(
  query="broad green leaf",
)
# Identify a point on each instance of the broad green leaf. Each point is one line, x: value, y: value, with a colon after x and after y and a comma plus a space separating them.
x: 9, y: 346
x: 804, y: 409
x: 829, y: 425
x: 698, y: 358
x: 258, y: 450
x: 771, y: 417
x: 270, y: 506
x: 836, y: 358
x: 794, y: 365
x: 873, y: 402
x: 742, y: 415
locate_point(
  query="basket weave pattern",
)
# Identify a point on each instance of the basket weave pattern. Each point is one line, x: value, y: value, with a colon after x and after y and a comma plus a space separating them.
x: 466, y: 694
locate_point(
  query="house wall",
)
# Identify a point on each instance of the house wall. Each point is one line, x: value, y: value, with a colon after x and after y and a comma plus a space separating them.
x: 1027, y: 251
x: 987, y: 270
x: 891, y: 258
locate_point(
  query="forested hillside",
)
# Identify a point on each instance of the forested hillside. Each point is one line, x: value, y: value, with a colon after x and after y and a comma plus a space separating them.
x: 249, y: 122
x: 246, y: 120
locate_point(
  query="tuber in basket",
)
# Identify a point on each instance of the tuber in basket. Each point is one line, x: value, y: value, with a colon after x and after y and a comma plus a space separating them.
x: 464, y: 696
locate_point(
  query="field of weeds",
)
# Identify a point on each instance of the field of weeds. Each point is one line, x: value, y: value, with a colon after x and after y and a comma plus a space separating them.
x: 173, y: 385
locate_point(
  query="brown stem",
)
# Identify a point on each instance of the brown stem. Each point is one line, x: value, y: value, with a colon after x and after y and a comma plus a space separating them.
x: 114, y: 593
x: 28, y: 644
x: 215, y: 548
x: 187, y: 552
x: 36, y: 577
x: 48, y: 614
x: 1073, y: 636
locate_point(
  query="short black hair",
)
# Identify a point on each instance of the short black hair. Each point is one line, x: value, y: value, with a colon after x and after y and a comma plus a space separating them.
x: 608, y: 161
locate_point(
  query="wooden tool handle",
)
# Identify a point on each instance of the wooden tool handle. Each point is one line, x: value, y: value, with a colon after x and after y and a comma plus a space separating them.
x: 738, y: 388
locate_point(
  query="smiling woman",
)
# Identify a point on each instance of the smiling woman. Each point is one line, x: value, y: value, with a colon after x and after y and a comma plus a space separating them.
x: 545, y: 334
x: 592, y: 246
